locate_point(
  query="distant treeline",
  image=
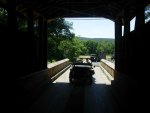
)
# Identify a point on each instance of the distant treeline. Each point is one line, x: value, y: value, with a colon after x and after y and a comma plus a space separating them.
x: 98, y: 39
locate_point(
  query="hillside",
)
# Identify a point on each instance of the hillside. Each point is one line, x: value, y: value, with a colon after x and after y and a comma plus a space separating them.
x: 97, y: 39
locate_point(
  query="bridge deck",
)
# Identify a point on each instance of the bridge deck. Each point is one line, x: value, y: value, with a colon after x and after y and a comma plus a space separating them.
x: 62, y: 97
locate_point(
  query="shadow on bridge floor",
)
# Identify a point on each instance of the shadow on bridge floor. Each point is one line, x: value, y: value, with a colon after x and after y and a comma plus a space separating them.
x: 68, y: 98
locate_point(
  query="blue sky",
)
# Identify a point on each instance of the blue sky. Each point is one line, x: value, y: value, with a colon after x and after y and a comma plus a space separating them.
x: 94, y: 27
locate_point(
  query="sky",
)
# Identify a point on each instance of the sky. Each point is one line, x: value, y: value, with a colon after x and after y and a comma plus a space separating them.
x: 94, y: 27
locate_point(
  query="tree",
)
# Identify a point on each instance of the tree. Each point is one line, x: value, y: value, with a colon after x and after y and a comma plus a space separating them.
x: 105, y: 47
x: 3, y: 15
x: 58, y: 30
x: 91, y: 46
x: 72, y: 48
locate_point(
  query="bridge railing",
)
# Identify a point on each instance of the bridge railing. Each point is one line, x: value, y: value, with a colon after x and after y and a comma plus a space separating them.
x: 56, y: 67
x: 108, y: 66
x: 32, y: 85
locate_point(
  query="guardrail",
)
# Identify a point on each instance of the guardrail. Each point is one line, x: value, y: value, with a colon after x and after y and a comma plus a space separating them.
x: 33, y: 83
x: 28, y: 88
x: 108, y: 66
x: 56, y: 67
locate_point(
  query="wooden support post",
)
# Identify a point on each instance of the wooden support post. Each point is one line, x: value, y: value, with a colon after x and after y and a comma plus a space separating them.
x: 126, y: 22
x: 118, y: 35
x: 140, y: 16
x: 40, y: 42
x: 30, y: 21
x: 12, y: 18
x: 31, y: 40
x: 45, y: 42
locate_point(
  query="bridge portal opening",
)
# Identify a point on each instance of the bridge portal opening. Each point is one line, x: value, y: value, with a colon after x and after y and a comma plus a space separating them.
x: 89, y: 36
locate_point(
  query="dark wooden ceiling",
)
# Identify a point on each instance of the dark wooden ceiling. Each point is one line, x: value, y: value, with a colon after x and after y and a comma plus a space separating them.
x: 79, y: 8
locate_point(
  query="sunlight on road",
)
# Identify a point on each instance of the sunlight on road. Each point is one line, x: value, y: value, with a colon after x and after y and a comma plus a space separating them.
x: 64, y: 78
x: 98, y: 78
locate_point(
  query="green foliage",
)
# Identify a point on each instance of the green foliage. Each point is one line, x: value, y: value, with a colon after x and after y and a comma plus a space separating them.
x: 22, y: 24
x: 72, y: 48
x: 58, y: 30
x: 52, y: 50
x: 75, y: 47
x: 3, y: 16
x: 105, y: 47
x: 147, y: 13
x: 91, y: 46
x: 97, y: 39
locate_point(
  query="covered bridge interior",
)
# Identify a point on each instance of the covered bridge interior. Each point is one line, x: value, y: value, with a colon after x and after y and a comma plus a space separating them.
x: 25, y: 52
